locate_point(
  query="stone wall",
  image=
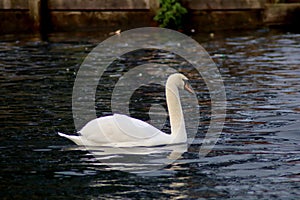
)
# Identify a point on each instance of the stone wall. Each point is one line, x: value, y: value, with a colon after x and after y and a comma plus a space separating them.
x: 216, y: 15
x: 68, y: 15
x: 20, y: 16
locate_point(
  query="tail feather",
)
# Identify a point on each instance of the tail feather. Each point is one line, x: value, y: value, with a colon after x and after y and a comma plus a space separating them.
x: 74, y: 138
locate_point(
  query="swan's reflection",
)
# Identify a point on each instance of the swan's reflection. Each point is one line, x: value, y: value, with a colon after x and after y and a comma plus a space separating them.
x: 137, y: 159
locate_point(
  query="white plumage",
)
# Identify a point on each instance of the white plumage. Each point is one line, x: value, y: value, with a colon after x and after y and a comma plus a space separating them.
x: 123, y: 131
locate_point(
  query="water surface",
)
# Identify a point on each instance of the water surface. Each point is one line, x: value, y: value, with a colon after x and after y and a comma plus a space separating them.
x: 257, y: 156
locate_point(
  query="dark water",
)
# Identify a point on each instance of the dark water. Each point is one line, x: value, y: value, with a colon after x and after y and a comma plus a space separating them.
x: 256, y: 157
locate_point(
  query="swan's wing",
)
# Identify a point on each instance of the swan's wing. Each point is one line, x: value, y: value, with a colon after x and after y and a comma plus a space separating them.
x: 119, y: 128
x: 135, y: 128
x: 96, y: 129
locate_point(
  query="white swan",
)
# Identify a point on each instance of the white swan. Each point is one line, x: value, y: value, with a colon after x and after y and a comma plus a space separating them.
x: 123, y: 131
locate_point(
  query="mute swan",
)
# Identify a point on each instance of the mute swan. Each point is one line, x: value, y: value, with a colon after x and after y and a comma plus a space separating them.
x: 123, y: 131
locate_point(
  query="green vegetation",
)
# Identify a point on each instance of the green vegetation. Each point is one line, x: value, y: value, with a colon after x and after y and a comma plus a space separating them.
x: 170, y: 14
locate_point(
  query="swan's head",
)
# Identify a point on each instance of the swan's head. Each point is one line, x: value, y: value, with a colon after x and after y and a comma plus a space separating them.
x: 181, y: 82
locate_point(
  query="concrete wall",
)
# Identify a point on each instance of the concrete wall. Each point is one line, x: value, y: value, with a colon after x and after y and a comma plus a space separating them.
x: 67, y: 15
x: 14, y: 16
x: 19, y: 16
x: 216, y: 15
x: 283, y: 14
x: 100, y: 14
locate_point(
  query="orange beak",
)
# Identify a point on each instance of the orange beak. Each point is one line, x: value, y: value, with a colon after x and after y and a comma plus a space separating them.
x: 188, y: 87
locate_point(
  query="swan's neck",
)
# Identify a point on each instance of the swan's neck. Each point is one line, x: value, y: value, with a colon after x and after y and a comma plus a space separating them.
x: 178, y: 131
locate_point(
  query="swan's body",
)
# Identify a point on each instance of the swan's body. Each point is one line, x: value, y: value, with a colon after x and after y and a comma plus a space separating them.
x: 121, y: 130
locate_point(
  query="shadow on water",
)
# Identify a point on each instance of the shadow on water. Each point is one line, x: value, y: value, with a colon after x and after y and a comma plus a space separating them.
x: 256, y: 157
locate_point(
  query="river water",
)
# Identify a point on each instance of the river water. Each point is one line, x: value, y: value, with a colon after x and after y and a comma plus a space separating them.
x: 257, y: 155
